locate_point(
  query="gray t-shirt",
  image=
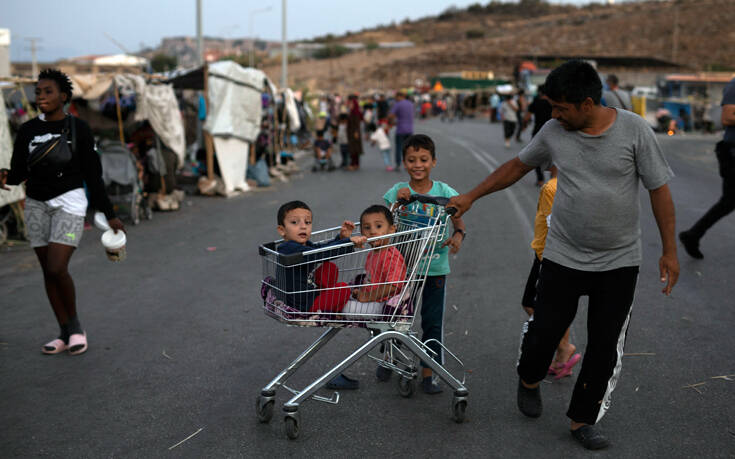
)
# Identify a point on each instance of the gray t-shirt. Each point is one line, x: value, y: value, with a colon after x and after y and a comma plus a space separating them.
x: 617, y: 99
x: 595, y: 222
x: 728, y: 98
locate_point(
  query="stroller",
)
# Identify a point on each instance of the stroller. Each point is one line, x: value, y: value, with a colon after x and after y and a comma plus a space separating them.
x: 122, y: 183
x: 390, y: 324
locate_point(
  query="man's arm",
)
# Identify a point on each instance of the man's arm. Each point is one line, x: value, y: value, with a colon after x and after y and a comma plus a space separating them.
x: 663, y: 211
x: 728, y: 115
x: 504, y: 176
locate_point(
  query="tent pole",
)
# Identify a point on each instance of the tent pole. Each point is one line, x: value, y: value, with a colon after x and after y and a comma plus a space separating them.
x: 119, y: 114
x: 209, y: 143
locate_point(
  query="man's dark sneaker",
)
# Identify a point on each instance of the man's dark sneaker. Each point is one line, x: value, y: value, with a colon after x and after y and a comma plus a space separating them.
x: 691, y: 244
x: 590, y: 437
x: 529, y: 400
x: 343, y: 382
x: 431, y: 386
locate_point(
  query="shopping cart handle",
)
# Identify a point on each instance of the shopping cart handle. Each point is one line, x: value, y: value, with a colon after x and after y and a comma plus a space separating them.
x: 428, y: 199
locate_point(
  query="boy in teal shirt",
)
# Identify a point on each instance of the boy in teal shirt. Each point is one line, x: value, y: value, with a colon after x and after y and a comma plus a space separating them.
x: 419, y: 158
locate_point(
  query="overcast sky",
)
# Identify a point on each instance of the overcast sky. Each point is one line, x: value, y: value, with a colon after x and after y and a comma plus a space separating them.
x: 77, y: 27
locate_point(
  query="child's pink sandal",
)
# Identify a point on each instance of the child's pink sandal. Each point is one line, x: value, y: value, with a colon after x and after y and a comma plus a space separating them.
x: 54, y: 347
x: 78, y: 343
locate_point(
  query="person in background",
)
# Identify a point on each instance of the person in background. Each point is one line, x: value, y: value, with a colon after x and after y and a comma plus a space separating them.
x: 402, y: 116
x: 354, y: 133
x: 616, y: 97
x: 540, y: 108
x: 725, y: 150
x: 509, y: 115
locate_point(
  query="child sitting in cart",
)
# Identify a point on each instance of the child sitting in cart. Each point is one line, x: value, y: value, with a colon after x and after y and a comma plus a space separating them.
x: 384, y: 266
x: 295, y: 287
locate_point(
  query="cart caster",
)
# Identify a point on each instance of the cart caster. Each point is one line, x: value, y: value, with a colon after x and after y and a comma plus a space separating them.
x: 406, y: 386
x: 292, y: 423
x: 459, y: 407
x: 264, y: 408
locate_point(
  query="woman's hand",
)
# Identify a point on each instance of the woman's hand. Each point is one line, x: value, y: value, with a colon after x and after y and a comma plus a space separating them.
x: 117, y: 225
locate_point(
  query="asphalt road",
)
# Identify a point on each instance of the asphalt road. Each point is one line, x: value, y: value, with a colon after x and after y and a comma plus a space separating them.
x: 179, y: 344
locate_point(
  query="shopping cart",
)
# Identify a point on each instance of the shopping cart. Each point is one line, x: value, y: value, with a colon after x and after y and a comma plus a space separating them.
x: 390, y: 324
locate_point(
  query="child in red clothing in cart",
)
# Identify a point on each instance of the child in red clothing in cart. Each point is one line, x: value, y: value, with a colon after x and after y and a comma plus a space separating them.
x: 384, y: 266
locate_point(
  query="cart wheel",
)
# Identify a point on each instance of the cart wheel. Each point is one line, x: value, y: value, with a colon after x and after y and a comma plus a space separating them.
x: 264, y: 408
x: 458, y: 410
x: 292, y: 427
x: 406, y: 386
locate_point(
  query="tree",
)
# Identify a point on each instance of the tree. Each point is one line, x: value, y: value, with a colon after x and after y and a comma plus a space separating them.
x: 162, y: 62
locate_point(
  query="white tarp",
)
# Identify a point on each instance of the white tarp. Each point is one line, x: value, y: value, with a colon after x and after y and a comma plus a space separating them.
x: 294, y: 122
x: 235, y: 105
x: 157, y: 103
x: 232, y: 157
x: 90, y: 86
x: 16, y: 193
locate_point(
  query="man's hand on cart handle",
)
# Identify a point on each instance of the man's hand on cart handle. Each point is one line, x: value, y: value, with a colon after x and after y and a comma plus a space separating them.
x: 461, y: 202
x: 347, y: 229
x: 359, y: 241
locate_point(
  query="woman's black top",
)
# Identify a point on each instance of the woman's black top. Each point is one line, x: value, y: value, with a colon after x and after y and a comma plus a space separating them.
x: 84, y: 166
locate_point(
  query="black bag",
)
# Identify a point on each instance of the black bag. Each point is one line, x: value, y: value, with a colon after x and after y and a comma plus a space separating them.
x: 726, y: 158
x: 51, y: 156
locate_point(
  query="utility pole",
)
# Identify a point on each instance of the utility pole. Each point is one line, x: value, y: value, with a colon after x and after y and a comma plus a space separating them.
x: 675, y: 38
x: 200, y: 41
x: 284, y: 47
x: 34, y: 61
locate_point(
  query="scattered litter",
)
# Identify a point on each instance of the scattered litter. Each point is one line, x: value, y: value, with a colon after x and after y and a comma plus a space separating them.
x: 455, y: 307
x: 686, y: 318
x: 636, y: 388
x: 3, y: 344
x: 699, y: 273
x: 185, y: 439
x: 466, y: 332
x: 211, y: 249
x: 166, y: 355
x: 725, y: 377
x: 469, y: 371
x: 695, y: 387
x: 637, y: 354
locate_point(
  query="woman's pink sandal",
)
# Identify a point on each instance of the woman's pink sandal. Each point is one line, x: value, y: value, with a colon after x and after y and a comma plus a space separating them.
x: 54, y: 347
x: 565, y: 370
x: 78, y: 343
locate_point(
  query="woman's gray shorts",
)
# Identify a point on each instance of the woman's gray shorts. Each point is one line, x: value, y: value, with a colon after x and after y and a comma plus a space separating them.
x: 51, y: 224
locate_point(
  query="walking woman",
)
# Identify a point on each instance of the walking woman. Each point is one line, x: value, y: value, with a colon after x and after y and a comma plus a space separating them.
x: 354, y: 134
x: 56, y: 203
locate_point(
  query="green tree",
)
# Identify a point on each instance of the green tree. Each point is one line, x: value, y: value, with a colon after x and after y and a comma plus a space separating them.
x: 162, y: 62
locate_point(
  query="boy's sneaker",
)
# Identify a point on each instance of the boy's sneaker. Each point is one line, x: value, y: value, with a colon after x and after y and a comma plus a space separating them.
x: 529, y: 400
x: 430, y: 385
x: 590, y: 437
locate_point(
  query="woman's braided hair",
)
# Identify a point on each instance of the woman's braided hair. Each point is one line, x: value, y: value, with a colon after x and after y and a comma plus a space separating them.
x: 62, y: 81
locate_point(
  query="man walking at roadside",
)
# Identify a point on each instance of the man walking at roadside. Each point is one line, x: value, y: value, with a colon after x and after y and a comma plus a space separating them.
x: 616, y: 97
x: 402, y: 116
x: 593, y: 247
x: 725, y: 150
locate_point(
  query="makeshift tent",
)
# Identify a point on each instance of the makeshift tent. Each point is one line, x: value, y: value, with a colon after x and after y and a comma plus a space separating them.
x: 16, y: 193
x: 233, y: 117
x: 157, y: 103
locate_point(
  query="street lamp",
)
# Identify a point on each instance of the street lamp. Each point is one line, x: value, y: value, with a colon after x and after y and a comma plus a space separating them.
x: 251, y: 59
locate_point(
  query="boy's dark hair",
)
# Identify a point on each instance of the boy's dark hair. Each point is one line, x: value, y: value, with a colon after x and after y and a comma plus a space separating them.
x: 378, y: 209
x: 288, y: 207
x: 61, y: 79
x: 573, y: 82
x: 418, y: 141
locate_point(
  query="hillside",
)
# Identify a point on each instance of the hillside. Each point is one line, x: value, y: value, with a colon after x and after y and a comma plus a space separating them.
x: 492, y: 37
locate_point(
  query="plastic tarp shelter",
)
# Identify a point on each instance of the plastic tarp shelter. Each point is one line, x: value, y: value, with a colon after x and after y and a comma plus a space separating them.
x: 233, y: 117
x: 16, y: 193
